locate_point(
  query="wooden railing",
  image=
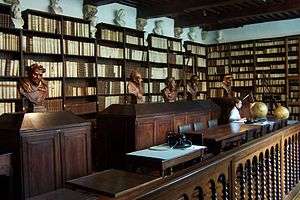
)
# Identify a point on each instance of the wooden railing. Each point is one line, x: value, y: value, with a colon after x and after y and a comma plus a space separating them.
x: 266, y: 168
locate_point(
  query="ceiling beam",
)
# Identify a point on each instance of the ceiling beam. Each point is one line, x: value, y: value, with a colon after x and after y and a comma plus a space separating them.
x: 196, y: 20
x: 179, y: 6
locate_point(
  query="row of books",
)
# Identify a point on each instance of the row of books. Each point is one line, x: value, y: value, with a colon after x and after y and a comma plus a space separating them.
x: 156, y: 87
x: 132, y: 67
x: 272, y: 89
x: 54, y: 105
x: 271, y: 43
x: 201, y: 62
x: 270, y: 51
x: 76, y: 29
x: 158, y: 72
x: 81, y: 107
x: 216, y: 54
x: 273, y: 59
x: 110, y: 87
x: 111, y: 35
x: 218, y: 48
x: 156, y: 98
x: 133, y: 54
x: 110, y: 71
x: 216, y: 93
x: 269, y: 67
x: 247, y: 83
x: 39, y: 23
x: 290, y: 58
x: 41, y: 45
x: 270, y: 76
x: 218, y: 62
x: 104, y: 102
x: 79, y: 48
x: 215, y: 84
x: 201, y: 75
x: 202, y: 86
x: 218, y: 70
x: 294, y: 96
x: 9, y: 67
x: 241, y: 46
x: 292, y: 48
x: 54, y: 88
x: 5, y: 20
x: 8, y: 90
x: 271, y: 82
x: 241, y: 61
x: 242, y: 76
x: 74, y: 91
x: 80, y: 69
x: 110, y: 52
x: 53, y: 69
x: 242, y: 69
x: 157, y: 42
x: 158, y: 57
x: 9, y: 42
x: 130, y: 39
x: 174, y: 45
x: 196, y: 49
x: 7, y: 107
x: 177, y: 73
x: 175, y: 59
x: 241, y: 53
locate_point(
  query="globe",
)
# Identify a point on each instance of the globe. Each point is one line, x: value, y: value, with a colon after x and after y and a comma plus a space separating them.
x: 281, y: 112
x: 259, y: 110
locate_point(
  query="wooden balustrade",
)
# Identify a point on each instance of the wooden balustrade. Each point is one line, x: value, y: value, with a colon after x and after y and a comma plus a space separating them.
x: 265, y: 168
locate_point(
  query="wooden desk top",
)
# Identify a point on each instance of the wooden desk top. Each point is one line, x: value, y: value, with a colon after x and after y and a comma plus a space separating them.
x: 112, y: 183
x: 227, y: 131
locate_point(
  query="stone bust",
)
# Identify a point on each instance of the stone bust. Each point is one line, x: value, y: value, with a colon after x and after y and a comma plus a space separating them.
x: 169, y: 93
x: 89, y: 13
x: 141, y: 23
x: 158, y: 29
x: 134, y: 87
x: 178, y: 32
x: 192, y: 88
x: 16, y: 15
x: 54, y: 7
x: 34, y: 89
x: 192, y: 33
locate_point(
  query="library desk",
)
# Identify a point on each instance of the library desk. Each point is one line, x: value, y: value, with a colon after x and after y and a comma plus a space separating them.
x: 225, y: 136
x: 112, y: 183
x: 164, y: 158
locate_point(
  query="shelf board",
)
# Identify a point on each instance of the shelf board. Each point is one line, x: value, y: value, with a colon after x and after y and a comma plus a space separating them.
x: 79, y: 38
x: 78, y: 97
x: 42, y: 34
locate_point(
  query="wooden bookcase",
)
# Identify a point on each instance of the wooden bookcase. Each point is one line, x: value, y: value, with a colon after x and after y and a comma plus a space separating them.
x: 218, y: 65
x: 195, y: 64
x: 5, y: 16
x: 165, y: 59
x: 120, y: 50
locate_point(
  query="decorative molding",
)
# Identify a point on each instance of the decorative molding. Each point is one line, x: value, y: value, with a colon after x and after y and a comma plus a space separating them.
x: 119, y: 17
x: 178, y: 31
x: 89, y: 13
x: 141, y: 23
x: 158, y: 29
x: 16, y: 15
x: 192, y: 34
x: 54, y: 7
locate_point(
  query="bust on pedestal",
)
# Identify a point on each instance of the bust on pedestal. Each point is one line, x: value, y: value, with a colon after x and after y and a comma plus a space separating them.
x: 169, y: 93
x: 134, y: 88
x: 34, y: 89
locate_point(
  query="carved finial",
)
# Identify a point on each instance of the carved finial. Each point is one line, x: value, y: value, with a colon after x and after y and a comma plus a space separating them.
x: 178, y: 31
x: 192, y: 33
x: 54, y: 7
x: 119, y: 17
x: 89, y: 13
x: 158, y: 27
x: 141, y: 23
x: 16, y: 15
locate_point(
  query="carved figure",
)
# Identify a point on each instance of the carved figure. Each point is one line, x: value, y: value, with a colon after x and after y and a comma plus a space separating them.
x: 89, y: 13
x: 169, y: 93
x: 119, y: 17
x: 134, y: 87
x: 226, y: 84
x: 192, y: 33
x: 54, y: 7
x: 141, y: 23
x: 34, y: 89
x: 158, y: 27
x: 177, y: 32
x: 16, y: 13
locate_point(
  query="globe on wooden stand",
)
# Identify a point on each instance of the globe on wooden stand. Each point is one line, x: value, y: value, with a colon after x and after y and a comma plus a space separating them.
x: 259, y: 110
x: 281, y: 112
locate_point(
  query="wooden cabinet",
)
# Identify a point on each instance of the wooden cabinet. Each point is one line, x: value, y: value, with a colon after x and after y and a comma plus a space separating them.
x: 53, y: 148
x: 126, y: 128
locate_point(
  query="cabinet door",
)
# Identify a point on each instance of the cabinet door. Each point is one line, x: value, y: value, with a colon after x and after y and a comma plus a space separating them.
x: 75, y: 152
x: 41, y: 162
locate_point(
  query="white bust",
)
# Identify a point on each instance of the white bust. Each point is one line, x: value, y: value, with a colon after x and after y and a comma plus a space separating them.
x: 141, y: 23
x: 54, y: 7
x: 158, y: 27
x: 89, y: 13
x: 219, y: 37
x: 119, y: 17
x: 177, y: 32
x: 17, y: 15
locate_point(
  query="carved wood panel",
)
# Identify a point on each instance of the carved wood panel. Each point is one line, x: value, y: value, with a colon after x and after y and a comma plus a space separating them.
x: 179, y: 120
x: 163, y: 126
x: 144, y: 137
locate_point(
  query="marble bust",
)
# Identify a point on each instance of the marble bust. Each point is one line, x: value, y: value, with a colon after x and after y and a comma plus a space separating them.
x: 158, y: 29
x: 192, y: 88
x: 119, y: 17
x: 54, y: 7
x: 89, y: 13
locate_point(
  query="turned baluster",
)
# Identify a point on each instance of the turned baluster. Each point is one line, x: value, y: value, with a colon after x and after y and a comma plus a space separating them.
x: 255, y: 177
x: 286, y: 165
x: 261, y: 176
x: 267, y: 184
